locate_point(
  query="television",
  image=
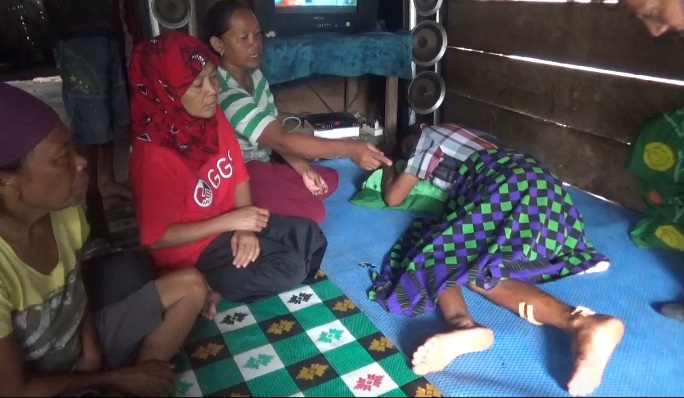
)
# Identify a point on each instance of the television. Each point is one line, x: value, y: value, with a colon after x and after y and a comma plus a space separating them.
x: 298, y: 17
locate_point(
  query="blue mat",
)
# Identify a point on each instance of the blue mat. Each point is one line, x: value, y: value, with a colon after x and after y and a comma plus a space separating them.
x: 527, y: 360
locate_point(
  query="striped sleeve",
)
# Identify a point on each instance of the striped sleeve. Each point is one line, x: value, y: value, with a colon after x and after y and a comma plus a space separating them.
x: 247, y: 118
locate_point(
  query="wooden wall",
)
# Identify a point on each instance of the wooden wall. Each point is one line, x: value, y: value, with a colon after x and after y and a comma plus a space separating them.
x: 302, y: 96
x: 580, y: 123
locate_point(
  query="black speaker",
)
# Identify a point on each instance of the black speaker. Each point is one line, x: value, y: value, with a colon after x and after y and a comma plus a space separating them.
x: 426, y: 93
x: 158, y: 16
x: 429, y: 43
x: 420, y: 98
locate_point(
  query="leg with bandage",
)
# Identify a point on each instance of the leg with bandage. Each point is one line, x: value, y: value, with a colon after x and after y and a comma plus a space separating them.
x: 594, y: 336
x: 526, y: 311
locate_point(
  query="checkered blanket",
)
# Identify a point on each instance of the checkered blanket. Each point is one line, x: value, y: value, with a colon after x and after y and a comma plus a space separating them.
x: 311, y: 341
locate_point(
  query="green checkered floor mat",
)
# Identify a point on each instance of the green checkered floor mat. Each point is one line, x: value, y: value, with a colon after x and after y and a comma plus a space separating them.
x: 311, y: 341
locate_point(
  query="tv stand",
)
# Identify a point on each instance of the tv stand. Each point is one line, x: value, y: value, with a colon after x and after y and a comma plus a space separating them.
x: 328, y: 53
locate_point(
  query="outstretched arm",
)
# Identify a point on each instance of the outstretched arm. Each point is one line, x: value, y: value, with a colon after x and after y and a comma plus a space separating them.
x: 255, y: 123
x: 364, y: 154
x: 396, y: 186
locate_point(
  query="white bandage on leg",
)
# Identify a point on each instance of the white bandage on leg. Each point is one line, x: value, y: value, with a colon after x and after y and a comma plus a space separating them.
x: 526, y: 311
x: 584, y: 311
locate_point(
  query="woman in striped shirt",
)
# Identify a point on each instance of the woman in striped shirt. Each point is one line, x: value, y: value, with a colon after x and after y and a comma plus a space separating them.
x: 295, y: 188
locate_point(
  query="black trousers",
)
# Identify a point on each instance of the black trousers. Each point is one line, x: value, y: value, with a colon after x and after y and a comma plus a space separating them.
x: 291, y: 251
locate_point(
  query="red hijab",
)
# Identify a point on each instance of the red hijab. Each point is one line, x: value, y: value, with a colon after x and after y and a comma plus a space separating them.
x: 161, y: 71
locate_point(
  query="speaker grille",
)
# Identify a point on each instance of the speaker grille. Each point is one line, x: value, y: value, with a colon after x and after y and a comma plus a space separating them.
x: 429, y: 43
x: 426, y: 92
x: 172, y: 14
x: 425, y: 8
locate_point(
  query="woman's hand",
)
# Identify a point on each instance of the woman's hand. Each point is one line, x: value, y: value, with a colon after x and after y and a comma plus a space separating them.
x: 248, y: 218
x: 146, y: 379
x: 314, y: 182
x: 367, y: 156
x: 245, y: 247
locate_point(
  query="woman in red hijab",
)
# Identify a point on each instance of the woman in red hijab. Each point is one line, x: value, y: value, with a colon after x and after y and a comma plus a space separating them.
x: 191, y: 187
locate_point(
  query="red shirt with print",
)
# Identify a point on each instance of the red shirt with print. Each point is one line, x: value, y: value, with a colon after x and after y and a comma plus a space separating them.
x: 166, y: 192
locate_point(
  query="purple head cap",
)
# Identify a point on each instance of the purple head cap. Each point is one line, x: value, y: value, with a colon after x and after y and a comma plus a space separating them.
x: 24, y: 122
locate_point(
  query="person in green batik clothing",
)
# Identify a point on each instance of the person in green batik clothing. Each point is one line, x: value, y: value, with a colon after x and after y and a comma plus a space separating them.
x: 657, y: 161
x: 658, y: 156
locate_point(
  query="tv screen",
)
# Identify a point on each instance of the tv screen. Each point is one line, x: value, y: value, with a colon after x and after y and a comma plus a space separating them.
x: 298, y: 17
x: 314, y: 6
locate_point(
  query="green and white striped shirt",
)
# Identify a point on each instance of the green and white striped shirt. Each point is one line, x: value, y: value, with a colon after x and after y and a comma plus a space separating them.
x: 249, y: 115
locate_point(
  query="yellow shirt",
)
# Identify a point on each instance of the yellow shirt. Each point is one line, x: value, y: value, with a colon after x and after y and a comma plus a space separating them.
x: 44, y: 311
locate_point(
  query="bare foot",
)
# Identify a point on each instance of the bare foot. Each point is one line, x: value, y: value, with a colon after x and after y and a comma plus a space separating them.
x: 592, y: 345
x: 209, y: 310
x: 114, y: 189
x: 438, y: 351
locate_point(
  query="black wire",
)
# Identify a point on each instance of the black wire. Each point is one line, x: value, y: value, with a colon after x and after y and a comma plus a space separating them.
x: 320, y: 98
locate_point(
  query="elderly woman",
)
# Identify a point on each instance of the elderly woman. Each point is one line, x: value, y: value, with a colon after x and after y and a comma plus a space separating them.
x: 70, y: 324
x: 191, y: 187
x: 295, y: 188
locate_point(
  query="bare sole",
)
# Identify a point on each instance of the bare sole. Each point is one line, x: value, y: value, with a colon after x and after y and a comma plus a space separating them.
x: 592, y: 348
x: 440, y: 350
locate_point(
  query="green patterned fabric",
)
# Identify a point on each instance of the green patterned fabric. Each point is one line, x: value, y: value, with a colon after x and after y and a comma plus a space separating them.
x: 508, y: 217
x: 424, y: 197
x: 657, y: 161
x: 311, y: 341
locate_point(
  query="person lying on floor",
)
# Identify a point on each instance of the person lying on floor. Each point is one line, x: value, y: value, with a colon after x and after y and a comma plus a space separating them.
x: 55, y: 338
x: 246, y: 99
x: 191, y: 187
x: 507, y: 225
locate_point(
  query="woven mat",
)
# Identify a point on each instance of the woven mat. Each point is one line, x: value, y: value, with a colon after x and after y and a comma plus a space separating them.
x: 311, y: 341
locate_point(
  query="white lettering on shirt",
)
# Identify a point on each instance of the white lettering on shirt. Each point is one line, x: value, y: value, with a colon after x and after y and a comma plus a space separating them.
x: 223, y: 170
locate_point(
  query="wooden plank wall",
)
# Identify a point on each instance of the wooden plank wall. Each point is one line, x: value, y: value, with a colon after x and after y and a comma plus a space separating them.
x: 580, y: 123
x: 299, y: 97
